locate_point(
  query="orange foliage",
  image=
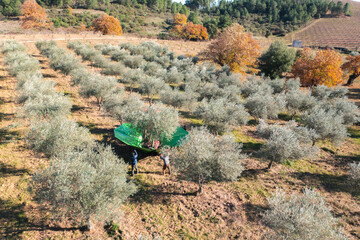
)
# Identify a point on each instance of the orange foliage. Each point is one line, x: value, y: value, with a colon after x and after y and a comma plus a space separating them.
x: 107, y: 25
x: 193, y: 31
x: 180, y: 19
x: 190, y: 31
x: 320, y: 68
x: 33, y: 16
x: 235, y: 48
x: 352, y: 66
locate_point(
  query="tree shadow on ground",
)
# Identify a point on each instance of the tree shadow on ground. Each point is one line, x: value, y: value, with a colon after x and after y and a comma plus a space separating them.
x: 8, y: 170
x: 13, y: 221
x: 253, y: 211
x: 7, y: 136
x: 330, y: 182
x: 156, y: 194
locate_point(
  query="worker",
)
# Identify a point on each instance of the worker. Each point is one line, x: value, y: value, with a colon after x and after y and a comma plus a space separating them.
x: 134, y: 166
x: 166, y: 160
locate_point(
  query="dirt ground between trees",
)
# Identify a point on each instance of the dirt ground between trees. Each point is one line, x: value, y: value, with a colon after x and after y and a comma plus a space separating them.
x: 165, y: 206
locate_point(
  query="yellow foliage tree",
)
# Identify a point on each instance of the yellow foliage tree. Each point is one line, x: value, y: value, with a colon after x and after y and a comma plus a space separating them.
x: 235, y: 48
x: 322, y: 67
x: 352, y: 67
x: 33, y: 16
x: 180, y: 19
x: 107, y: 25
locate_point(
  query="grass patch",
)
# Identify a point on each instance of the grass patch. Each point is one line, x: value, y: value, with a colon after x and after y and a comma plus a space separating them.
x: 306, y: 166
x: 249, y: 143
x: 354, y: 134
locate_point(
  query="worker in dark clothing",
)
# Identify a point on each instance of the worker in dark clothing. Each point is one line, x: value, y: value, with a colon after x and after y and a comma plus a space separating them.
x: 166, y: 165
x: 134, y: 162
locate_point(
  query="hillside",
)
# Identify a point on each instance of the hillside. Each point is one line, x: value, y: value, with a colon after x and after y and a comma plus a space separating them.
x: 332, y: 32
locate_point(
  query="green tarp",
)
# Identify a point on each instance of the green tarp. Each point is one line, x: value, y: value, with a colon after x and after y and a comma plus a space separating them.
x: 132, y: 137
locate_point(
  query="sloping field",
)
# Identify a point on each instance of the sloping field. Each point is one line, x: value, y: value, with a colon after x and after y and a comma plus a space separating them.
x: 333, y: 32
x: 165, y: 206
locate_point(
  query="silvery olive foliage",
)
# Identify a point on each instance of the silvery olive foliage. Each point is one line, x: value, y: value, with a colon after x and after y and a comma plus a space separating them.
x: 128, y: 109
x: 64, y: 62
x: 106, y: 49
x: 47, y: 106
x: 221, y: 114
x: 180, y: 99
x: 298, y: 101
x: 327, y: 123
x: 292, y: 84
x: 58, y: 136
x: 157, y: 122
x: 301, y: 216
x: 276, y: 84
x: 289, y: 142
x: 12, y: 46
x: 34, y: 87
x: 265, y: 105
x: 204, y: 157
x: 118, y: 55
x: 154, y: 69
x: 255, y: 85
x: 84, y: 187
x: 134, y: 61
x: 132, y: 77
x: 113, y: 69
x: 173, y: 76
x: 355, y: 173
x: 151, y: 86
x: 327, y: 93
x: 99, y: 86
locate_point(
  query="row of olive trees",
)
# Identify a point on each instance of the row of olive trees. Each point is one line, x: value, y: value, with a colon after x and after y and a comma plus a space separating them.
x: 322, y: 117
x: 83, y: 178
x: 155, y: 122
x: 223, y: 158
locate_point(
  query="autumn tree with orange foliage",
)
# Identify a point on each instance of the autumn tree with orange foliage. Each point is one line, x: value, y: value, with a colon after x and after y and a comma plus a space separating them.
x: 107, y: 25
x: 193, y: 31
x: 188, y: 30
x: 352, y: 67
x: 33, y: 16
x: 322, y: 67
x: 235, y: 48
x: 180, y: 19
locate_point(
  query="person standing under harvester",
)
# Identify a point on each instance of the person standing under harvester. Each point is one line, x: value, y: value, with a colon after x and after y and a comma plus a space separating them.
x: 134, y: 166
x: 166, y: 160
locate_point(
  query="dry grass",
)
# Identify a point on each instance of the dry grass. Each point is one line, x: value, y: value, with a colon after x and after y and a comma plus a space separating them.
x: 164, y: 205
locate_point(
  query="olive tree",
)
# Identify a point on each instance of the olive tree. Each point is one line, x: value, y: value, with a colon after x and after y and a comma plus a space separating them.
x: 12, y: 46
x: 179, y: 99
x: 58, y: 136
x: 327, y: 123
x: 157, y: 122
x: 301, y: 216
x: 289, y: 142
x: 34, y: 87
x: 220, y: 114
x: 47, y: 106
x: 84, y: 187
x: 298, y: 101
x: 204, y: 157
x: 151, y: 87
x: 328, y: 93
x: 265, y: 106
x: 99, y: 86
x: 255, y: 85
